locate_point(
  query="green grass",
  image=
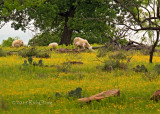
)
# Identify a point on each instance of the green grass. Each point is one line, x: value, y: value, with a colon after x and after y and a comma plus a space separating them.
x: 29, y: 89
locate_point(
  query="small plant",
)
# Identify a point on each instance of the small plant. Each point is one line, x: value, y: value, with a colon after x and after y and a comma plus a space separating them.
x: 25, y: 63
x: 75, y: 93
x: 141, y: 68
x: 40, y: 63
x: 34, y: 63
x: 30, y: 60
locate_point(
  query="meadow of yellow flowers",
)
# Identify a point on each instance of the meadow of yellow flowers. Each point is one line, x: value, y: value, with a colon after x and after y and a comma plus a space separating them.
x: 32, y: 89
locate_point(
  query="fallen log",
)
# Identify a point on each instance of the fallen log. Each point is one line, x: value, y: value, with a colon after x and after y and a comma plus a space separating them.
x: 155, y: 96
x: 101, y: 95
x: 75, y: 62
x: 63, y: 50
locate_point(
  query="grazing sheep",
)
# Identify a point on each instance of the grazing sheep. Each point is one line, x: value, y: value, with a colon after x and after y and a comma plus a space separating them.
x: 17, y: 43
x: 53, y: 45
x: 82, y: 43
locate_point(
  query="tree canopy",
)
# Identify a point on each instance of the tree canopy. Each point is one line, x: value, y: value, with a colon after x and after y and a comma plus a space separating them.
x: 71, y: 17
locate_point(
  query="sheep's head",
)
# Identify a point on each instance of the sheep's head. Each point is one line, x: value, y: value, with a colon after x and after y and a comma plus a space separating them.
x: 21, y: 43
x: 90, y: 47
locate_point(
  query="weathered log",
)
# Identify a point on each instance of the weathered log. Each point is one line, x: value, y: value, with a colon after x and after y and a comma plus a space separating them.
x: 101, y: 95
x: 63, y: 50
x: 156, y: 96
x: 75, y: 62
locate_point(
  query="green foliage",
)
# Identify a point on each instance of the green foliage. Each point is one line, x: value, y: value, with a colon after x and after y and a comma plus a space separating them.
x: 29, y: 52
x: 75, y: 93
x: 123, y: 41
x: 44, y: 39
x: 102, y: 52
x: 8, y: 42
x: 157, y: 69
x: 111, y: 64
x: 2, y: 53
x: 119, y: 55
x: 141, y: 68
x: 151, y: 76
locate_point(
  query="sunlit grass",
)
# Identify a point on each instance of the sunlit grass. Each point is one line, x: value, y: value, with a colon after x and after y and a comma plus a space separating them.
x: 20, y: 84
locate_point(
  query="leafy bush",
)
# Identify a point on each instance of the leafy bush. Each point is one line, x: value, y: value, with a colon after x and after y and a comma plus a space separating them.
x: 123, y: 41
x: 8, y: 42
x: 141, y: 68
x: 102, y: 52
x: 112, y: 64
x: 28, y: 52
x: 44, y: 39
x: 119, y: 55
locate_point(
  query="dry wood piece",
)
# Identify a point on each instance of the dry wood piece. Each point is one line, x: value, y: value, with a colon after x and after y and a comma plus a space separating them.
x: 101, y: 95
x: 63, y: 50
x: 155, y: 96
x: 75, y: 62
x: 132, y: 45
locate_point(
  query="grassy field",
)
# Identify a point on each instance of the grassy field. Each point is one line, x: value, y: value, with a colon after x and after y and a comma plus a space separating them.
x: 32, y: 89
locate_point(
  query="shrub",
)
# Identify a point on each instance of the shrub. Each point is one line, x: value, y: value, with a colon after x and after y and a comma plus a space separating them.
x: 102, y: 52
x: 141, y: 68
x: 8, y: 42
x: 29, y: 52
x: 119, y: 55
x: 112, y: 64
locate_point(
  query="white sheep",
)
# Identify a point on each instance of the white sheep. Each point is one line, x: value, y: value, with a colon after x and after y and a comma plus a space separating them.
x: 82, y: 43
x: 53, y: 45
x: 17, y: 43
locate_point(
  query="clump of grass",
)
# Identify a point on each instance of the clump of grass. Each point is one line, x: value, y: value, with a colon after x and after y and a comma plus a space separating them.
x: 102, y: 52
x: 111, y: 64
x: 119, y: 56
x: 65, y: 67
x: 151, y: 76
x: 116, y: 62
x: 157, y: 69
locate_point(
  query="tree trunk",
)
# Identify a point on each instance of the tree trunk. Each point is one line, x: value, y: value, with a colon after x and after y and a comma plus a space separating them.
x: 67, y: 33
x: 153, y: 47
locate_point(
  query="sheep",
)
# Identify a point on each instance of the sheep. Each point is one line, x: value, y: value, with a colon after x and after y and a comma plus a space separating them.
x: 17, y: 43
x: 82, y: 43
x: 53, y: 45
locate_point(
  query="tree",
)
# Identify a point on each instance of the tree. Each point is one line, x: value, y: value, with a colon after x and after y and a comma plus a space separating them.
x: 8, y: 42
x: 140, y: 15
x: 72, y: 17
x: 13, y: 10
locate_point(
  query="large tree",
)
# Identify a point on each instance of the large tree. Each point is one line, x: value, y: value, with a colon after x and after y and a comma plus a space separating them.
x: 69, y: 16
x: 140, y: 15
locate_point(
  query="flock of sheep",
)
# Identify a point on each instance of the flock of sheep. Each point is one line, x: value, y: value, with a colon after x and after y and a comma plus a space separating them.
x: 77, y: 42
